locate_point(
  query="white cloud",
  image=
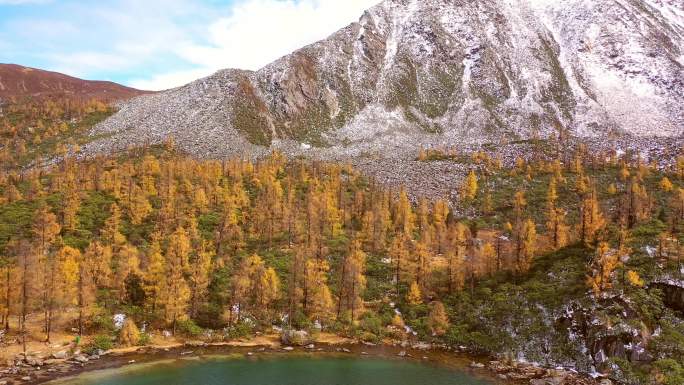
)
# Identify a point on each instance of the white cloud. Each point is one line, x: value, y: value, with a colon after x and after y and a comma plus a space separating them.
x: 160, y: 44
x: 169, y: 80
x: 258, y: 32
x: 80, y: 64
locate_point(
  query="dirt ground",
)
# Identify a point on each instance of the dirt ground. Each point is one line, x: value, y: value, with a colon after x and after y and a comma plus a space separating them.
x: 63, y: 338
x: 60, y: 338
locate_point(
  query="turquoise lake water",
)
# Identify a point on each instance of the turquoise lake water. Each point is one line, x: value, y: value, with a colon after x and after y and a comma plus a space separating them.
x: 280, y: 371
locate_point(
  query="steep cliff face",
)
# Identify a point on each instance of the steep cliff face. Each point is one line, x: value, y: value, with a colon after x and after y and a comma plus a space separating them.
x: 424, y: 72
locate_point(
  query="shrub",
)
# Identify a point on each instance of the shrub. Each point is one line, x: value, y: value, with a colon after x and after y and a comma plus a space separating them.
x: 145, y: 339
x: 369, y: 337
x: 188, y: 328
x: 372, y: 323
x: 102, y: 322
x: 669, y: 372
x: 99, y: 342
x: 300, y: 321
x: 129, y: 334
x: 239, y: 330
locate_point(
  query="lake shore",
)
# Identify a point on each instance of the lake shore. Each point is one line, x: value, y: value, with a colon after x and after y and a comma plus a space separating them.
x: 39, y: 370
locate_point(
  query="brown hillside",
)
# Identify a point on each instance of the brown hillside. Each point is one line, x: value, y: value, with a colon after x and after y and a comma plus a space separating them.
x: 18, y: 81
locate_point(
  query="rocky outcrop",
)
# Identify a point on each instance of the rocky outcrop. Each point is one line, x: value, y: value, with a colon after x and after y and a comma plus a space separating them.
x: 606, y: 329
x: 535, y: 375
x: 34, y: 367
x: 416, y: 73
x: 673, y: 293
x: 291, y: 337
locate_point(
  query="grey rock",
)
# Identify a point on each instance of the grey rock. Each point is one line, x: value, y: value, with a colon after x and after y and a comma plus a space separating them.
x: 548, y: 381
x: 34, y: 362
x: 422, y: 346
x: 60, y: 355
x: 80, y: 358
x: 295, y: 337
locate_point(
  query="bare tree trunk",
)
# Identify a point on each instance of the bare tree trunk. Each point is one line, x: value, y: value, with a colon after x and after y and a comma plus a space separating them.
x: 339, y: 302
x: 397, y: 274
x: 81, y: 302
x: 7, y: 299
x: 24, y: 299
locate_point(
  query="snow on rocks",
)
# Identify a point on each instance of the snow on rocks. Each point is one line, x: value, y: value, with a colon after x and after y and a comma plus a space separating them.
x: 119, y: 320
x: 431, y: 73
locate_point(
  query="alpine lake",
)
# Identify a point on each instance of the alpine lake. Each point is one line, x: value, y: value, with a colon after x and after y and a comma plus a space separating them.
x: 287, y: 369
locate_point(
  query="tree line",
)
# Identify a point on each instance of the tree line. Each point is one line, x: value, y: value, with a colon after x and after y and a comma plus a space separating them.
x: 172, y: 238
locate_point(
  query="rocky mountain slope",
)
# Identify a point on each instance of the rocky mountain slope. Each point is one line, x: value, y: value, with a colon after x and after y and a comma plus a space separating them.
x: 437, y: 72
x: 18, y: 81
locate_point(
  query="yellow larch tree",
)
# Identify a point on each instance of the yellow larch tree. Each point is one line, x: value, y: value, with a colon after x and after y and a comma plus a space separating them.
x: 319, y: 302
x: 469, y: 189
x: 85, y: 285
x: 555, y: 218
x: 71, y: 204
x: 45, y: 232
x: 139, y: 207
x: 591, y: 219
x: 605, y: 262
x: 440, y: 213
x: 200, y: 275
x: 126, y: 263
x: 404, y: 218
x: 421, y: 264
x: 399, y: 254
x: 154, y: 277
x: 352, y: 282
x: 458, y: 237
x: 110, y: 233
x: 99, y: 263
x: 529, y: 245
x: 414, y: 296
x: 254, y: 286
x: 666, y: 185
x: 178, y: 250
x: 438, y: 320
x: 488, y: 257
x: 634, y: 279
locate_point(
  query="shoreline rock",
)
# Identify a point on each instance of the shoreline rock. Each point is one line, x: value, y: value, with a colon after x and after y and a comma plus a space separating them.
x: 43, y: 370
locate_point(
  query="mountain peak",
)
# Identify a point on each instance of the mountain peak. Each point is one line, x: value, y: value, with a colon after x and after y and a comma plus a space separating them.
x: 438, y: 72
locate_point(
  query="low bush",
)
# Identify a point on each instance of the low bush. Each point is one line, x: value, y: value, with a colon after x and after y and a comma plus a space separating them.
x: 102, y: 342
x: 188, y: 328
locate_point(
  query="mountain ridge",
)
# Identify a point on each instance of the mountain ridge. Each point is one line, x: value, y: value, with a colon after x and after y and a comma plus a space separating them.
x: 436, y: 73
x: 17, y: 81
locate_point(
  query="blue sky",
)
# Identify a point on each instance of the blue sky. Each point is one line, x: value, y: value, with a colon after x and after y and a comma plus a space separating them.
x: 157, y: 44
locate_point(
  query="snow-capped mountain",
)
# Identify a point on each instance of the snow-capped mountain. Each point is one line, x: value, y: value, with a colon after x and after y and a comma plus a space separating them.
x: 427, y: 72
